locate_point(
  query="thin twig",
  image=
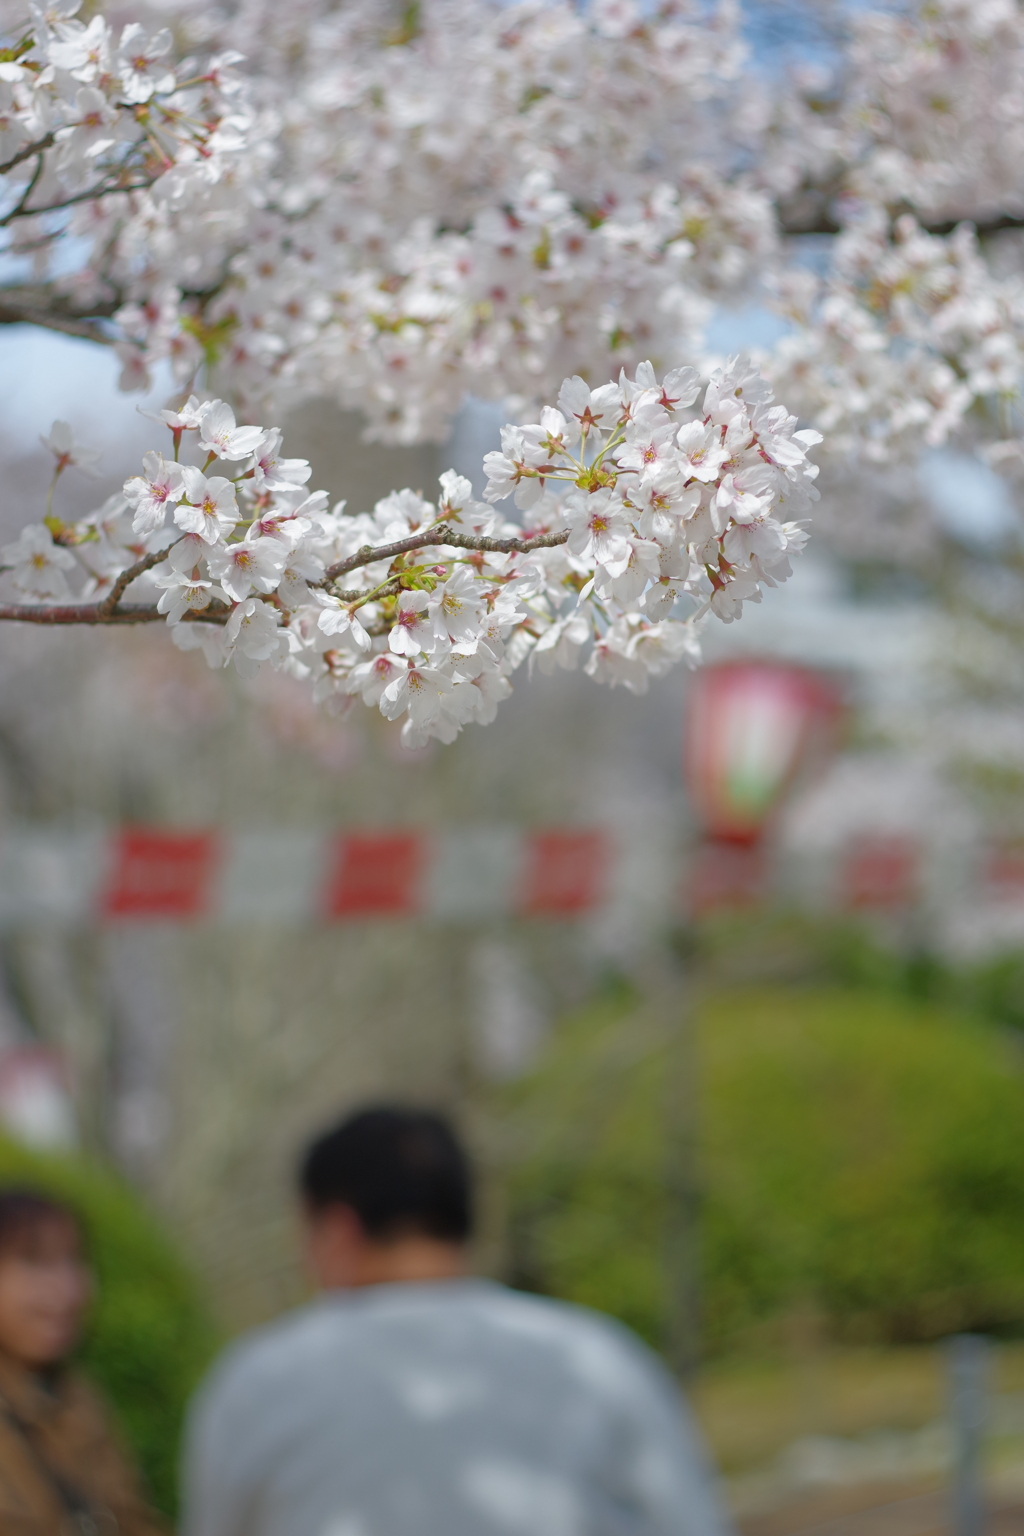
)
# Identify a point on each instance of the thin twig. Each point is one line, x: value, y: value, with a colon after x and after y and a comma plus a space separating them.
x: 92, y: 196
x: 21, y: 207
x: 124, y: 581
x: 26, y: 154
x: 386, y: 589
x: 441, y: 535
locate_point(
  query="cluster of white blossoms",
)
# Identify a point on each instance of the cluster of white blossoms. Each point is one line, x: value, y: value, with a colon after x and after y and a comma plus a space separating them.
x: 397, y: 209
x: 911, y: 329
x: 642, y: 513
x: 907, y: 333
x: 102, y: 133
x: 443, y: 207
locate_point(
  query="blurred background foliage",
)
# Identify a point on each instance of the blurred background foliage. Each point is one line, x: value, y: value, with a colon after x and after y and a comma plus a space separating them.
x: 149, y: 1336
x: 860, y: 1168
x: 852, y: 1121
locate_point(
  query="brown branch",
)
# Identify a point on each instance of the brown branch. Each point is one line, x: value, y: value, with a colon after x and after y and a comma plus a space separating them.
x: 93, y: 195
x: 26, y: 154
x: 78, y: 613
x: 110, y: 609
x: 89, y: 330
x: 43, y: 305
x: 95, y: 613
x: 824, y: 224
x: 512, y: 546
x: 996, y: 225
x: 30, y: 186
x: 124, y: 581
x: 40, y: 304
x: 442, y: 535
x: 809, y: 212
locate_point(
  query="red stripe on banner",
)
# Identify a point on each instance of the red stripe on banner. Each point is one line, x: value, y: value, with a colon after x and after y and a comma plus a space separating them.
x: 881, y: 873
x: 565, y: 872
x: 1004, y: 871
x: 159, y: 874
x: 724, y: 877
x: 375, y: 874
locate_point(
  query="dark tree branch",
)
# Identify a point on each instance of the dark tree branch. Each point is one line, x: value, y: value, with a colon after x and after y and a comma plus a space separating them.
x: 124, y: 581
x: 809, y: 211
x: 96, y: 613
x: 78, y: 613
x: 110, y: 609
x: 92, y: 195
x: 39, y: 304
x: 439, y: 535
x: 26, y: 154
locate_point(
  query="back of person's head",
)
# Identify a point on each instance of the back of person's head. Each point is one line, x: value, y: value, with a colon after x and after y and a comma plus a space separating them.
x: 402, y: 1171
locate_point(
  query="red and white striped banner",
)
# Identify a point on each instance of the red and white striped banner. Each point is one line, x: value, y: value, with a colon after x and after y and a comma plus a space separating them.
x: 71, y: 877
x: 161, y: 874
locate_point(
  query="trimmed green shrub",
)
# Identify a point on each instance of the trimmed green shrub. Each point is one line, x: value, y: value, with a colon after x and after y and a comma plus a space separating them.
x: 149, y: 1337
x: 861, y: 1159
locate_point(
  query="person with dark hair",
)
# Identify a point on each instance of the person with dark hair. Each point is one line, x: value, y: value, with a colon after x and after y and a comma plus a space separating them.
x: 62, y: 1470
x: 411, y: 1399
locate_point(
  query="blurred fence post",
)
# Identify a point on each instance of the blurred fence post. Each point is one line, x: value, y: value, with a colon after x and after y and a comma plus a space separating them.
x: 968, y: 1364
x: 682, y: 1188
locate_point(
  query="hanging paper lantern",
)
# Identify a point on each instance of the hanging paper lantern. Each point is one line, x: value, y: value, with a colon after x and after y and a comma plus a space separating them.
x: 750, y: 725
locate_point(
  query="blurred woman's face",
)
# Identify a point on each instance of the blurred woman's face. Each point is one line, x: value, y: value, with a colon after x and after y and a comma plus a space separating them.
x: 44, y: 1289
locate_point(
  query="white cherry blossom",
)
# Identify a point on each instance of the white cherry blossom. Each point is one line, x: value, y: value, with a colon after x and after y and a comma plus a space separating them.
x: 67, y: 452
x: 413, y: 630
x: 210, y: 508
x: 37, y: 564
x: 161, y: 485
x: 250, y: 565
x: 252, y: 635
x: 184, y: 594
x: 218, y: 433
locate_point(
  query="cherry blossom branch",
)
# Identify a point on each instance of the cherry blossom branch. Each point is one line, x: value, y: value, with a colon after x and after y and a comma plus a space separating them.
x: 110, y: 609
x: 20, y: 209
x: 809, y: 212
x: 248, y: 553
x: 90, y: 195
x: 26, y: 153
x: 53, y: 320
x: 78, y: 613
x: 442, y: 534
x: 58, y: 614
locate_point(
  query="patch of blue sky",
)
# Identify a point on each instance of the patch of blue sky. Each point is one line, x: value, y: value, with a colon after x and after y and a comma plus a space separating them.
x: 972, y: 503
x: 790, y: 30
x: 67, y: 254
x: 46, y: 376
x: 747, y: 328
x: 781, y: 32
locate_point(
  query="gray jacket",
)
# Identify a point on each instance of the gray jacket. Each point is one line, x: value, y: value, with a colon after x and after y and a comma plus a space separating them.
x: 451, y: 1408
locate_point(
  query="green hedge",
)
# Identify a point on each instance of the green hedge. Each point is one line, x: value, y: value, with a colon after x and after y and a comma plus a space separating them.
x: 861, y: 1160
x: 149, y: 1337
